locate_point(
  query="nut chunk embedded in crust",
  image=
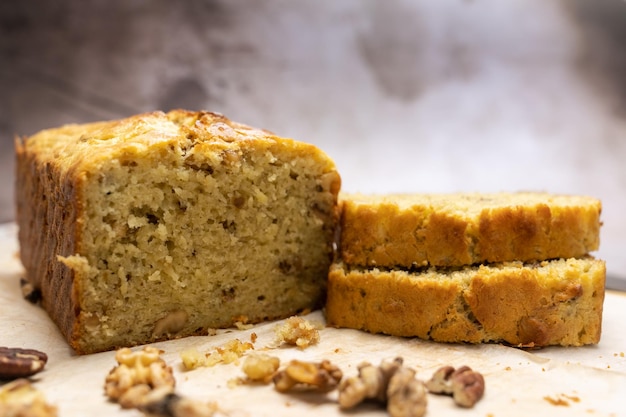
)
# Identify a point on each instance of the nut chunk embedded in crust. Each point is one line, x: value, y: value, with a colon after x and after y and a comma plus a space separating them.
x: 20, y: 399
x: 138, y: 374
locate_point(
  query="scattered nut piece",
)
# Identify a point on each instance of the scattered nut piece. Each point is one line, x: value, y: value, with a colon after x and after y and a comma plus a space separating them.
x: 173, y: 405
x: 240, y: 325
x: 29, y: 292
x: 440, y: 382
x: 260, y: 367
x: 298, y: 332
x: 138, y: 374
x: 406, y: 396
x: 371, y: 383
x: 229, y: 353
x: 20, y: 399
x: 465, y: 385
x: 391, y: 384
x: 20, y: 363
x: 192, y: 359
x: 322, y: 376
x: 469, y: 388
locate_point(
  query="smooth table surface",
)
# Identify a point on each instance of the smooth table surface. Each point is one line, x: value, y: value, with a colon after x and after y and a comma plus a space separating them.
x: 586, y: 381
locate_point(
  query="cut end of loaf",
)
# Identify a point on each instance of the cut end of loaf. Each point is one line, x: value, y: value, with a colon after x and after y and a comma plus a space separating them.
x: 191, y: 224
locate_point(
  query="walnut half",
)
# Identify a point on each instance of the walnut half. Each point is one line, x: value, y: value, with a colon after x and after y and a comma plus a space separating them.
x: 20, y: 399
x: 138, y: 374
x: 260, y: 367
x: 391, y: 383
x: 465, y: 385
x: 322, y: 376
x: 173, y: 405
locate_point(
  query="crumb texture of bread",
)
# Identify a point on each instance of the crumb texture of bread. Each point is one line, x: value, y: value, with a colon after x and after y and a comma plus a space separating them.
x: 459, y: 229
x: 165, y: 225
x: 556, y: 302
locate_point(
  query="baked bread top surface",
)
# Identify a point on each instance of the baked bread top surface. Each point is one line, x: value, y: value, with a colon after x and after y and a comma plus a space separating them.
x: 467, y: 205
x: 214, y: 219
x: 85, y: 146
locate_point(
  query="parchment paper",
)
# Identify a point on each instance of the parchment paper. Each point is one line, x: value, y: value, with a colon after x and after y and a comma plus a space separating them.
x: 588, y: 381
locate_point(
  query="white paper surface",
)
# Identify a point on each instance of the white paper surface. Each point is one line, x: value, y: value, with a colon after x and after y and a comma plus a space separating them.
x: 591, y: 380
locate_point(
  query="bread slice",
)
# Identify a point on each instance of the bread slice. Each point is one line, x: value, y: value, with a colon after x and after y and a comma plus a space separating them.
x: 167, y: 225
x: 463, y: 229
x: 555, y: 302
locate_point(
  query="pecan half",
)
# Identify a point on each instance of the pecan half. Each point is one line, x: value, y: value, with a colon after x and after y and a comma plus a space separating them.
x: 20, y: 363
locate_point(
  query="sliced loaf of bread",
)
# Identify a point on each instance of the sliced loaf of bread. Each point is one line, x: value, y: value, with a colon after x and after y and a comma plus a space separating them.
x: 545, y: 303
x: 466, y: 228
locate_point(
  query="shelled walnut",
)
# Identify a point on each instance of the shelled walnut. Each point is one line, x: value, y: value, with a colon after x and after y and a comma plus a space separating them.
x: 322, y: 376
x: 406, y: 396
x: 173, y: 405
x: 20, y: 399
x: 465, y: 385
x: 137, y: 374
x: 390, y: 383
x: 260, y: 367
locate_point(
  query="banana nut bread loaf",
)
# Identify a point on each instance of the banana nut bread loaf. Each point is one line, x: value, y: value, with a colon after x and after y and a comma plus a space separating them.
x: 464, y: 229
x: 556, y: 302
x: 167, y: 225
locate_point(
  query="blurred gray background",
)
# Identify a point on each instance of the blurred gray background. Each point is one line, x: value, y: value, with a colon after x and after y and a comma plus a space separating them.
x: 415, y: 96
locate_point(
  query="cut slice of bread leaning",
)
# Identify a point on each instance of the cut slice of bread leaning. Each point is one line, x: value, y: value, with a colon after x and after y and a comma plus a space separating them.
x: 556, y: 302
x: 463, y: 229
x: 167, y: 225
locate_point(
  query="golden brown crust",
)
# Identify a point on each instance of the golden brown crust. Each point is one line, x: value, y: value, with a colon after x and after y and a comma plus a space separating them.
x: 464, y: 229
x: 48, y: 228
x: 550, y: 303
x: 60, y: 172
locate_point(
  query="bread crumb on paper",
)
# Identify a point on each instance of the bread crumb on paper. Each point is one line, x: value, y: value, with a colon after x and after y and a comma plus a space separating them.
x: 229, y: 353
x: 562, y: 400
x: 298, y: 332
